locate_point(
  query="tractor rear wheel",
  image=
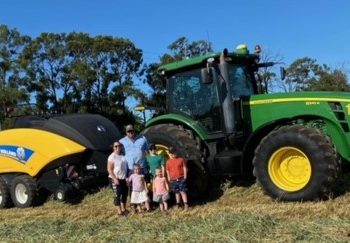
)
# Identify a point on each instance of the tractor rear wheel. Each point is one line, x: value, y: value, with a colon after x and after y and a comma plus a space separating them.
x: 5, y: 199
x: 24, y: 191
x: 170, y: 135
x: 296, y: 163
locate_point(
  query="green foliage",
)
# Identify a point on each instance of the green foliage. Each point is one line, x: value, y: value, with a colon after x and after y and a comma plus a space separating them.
x: 305, y: 74
x: 75, y: 72
x: 103, y: 69
x: 179, y: 50
x: 12, y: 91
x: 335, y: 80
x: 71, y: 73
x: 47, y: 65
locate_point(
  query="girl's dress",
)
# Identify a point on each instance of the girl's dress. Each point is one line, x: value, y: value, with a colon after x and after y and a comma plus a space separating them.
x: 138, y: 194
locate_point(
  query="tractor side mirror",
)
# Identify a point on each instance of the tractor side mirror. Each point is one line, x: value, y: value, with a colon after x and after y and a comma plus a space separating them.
x: 207, y: 75
x: 283, y: 73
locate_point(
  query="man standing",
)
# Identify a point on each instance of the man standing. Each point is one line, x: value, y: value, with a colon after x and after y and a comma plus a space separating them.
x: 135, y: 147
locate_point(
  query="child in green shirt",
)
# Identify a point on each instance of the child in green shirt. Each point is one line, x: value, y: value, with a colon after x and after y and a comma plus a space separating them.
x: 154, y: 161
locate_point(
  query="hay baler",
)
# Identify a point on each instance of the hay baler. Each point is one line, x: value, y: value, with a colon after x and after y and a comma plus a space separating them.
x: 59, y: 155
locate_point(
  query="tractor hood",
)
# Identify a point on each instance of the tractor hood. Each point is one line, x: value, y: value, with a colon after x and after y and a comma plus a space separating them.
x: 272, y: 107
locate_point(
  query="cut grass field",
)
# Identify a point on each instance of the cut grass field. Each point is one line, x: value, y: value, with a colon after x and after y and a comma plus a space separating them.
x: 238, y: 214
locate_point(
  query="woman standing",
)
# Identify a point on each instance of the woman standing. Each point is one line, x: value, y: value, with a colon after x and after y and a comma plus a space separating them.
x: 117, y: 170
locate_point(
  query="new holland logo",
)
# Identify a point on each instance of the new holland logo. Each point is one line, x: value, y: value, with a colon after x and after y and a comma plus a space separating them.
x: 18, y: 153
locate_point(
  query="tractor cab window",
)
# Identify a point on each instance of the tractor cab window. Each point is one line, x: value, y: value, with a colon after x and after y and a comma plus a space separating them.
x: 240, y: 81
x: 188, y: 95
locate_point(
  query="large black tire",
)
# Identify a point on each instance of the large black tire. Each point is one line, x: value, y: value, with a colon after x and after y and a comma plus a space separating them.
x: 170, y: 135
x: 24, y: 192
x: 296, y: 163
x: 5, y: 198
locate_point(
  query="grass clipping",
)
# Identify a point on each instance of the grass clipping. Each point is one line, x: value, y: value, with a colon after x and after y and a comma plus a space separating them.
x: 236, y: 214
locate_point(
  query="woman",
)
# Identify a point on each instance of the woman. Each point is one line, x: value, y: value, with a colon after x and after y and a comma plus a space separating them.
x: 117, y: 170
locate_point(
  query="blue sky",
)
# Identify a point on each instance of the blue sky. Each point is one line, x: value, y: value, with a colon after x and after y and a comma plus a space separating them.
x: 292, y: 29
x: 315, y: 28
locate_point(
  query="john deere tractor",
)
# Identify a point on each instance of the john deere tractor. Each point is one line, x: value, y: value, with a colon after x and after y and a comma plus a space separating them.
x: 220, y: 118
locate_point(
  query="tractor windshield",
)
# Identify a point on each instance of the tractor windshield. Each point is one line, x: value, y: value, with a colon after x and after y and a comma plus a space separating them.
x: 187, y: 94
x: 240, y: 81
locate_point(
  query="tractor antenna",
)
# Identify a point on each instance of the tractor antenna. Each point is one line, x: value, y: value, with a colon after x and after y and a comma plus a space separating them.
x: 208, y: 42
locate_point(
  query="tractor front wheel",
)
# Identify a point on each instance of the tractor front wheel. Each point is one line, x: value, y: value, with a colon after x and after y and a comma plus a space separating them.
x: 296, y: 163
x: 170, y: 135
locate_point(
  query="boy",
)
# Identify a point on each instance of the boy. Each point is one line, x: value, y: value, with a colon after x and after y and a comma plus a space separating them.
x: 154, y: 161
x: 176, y: 170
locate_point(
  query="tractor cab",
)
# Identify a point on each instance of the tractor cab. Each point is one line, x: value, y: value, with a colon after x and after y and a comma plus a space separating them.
x: 210, y: 89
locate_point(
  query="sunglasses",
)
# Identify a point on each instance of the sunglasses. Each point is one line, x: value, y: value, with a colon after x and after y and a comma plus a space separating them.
x: 130, y: 131
x: 116, y: 146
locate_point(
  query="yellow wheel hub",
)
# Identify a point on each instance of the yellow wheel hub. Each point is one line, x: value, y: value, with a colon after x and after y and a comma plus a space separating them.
x: 289, y: 169
x: 162, y: 150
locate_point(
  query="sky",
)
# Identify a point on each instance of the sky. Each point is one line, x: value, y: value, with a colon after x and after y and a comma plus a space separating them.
x: 291, y: 29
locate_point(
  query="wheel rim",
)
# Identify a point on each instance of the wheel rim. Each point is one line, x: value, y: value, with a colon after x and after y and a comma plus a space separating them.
x: 59, y: 195
x: 21, y: 193
x: 289, y: 169
x: 162, y: 150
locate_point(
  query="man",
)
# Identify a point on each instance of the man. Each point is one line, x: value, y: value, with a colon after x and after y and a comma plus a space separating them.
x: 135, y: 147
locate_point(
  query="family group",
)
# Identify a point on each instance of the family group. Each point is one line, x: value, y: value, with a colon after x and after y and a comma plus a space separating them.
x: 138, y: 172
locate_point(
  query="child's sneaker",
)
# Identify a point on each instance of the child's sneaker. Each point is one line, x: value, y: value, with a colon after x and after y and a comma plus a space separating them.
x: 185, y: 206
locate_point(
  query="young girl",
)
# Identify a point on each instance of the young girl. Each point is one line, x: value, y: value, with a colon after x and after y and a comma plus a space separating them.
x: 160, y: 190
x: 139, y: 189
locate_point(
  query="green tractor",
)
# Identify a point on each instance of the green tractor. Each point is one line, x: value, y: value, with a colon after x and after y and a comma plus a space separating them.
x: 221, y: 119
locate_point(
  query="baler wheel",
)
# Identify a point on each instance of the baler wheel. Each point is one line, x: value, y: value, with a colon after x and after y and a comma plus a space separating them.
x: 24, y: 191
x: 5, y: 198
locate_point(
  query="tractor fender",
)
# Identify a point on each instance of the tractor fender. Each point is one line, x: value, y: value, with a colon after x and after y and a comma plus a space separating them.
x: 179, y: 119
x: 332, y: 129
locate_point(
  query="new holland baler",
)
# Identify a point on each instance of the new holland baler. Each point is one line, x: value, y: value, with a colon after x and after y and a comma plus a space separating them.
x: 60, y: 155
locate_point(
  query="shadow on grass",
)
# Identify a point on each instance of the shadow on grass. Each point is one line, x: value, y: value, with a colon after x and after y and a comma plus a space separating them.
x: 217, y: 187
x: 343, y: 184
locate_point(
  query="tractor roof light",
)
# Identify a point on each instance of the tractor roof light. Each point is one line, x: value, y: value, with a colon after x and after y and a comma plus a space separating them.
x: 242, y: 49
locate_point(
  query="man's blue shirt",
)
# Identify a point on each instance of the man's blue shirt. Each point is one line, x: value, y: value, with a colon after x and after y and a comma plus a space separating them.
x: 134, y: 151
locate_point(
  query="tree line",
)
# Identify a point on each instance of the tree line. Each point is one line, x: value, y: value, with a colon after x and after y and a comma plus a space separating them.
x: 75, y: 72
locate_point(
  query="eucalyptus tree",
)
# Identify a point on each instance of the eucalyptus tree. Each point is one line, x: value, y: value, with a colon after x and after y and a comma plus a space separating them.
x: 306, y: 74
x: 12, y: 91
x: 104, y: 68
x: 330, y: 80
x: 47, y: 64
